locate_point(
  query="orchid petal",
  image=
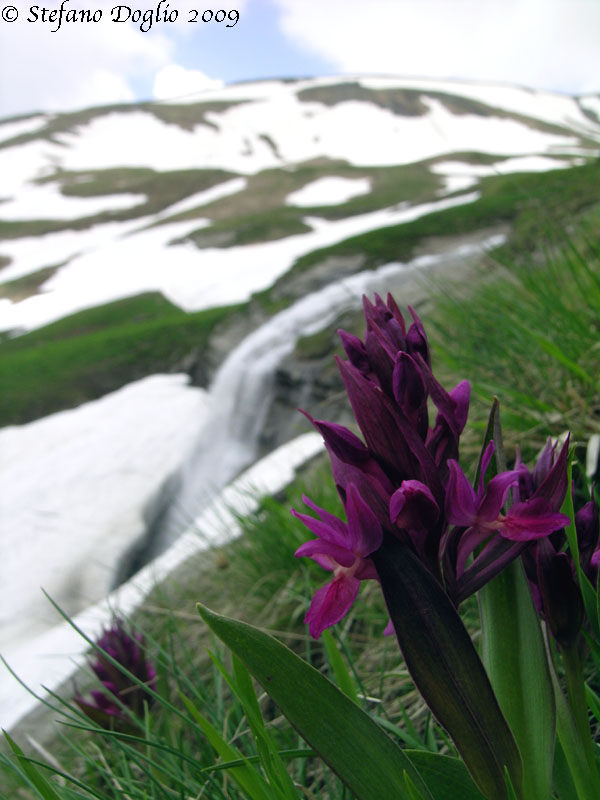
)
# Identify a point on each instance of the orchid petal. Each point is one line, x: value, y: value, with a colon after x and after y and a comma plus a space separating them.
x: 532, y: 520
x: 461, y: 395
x: 408, y: 385
x: 340, y: 555
x: 331, y: 603
x: 554, y: 486
x: 470, y: 539
x: 322, y: 530
x: 355, y: 350
x: 364, y: 531
x: 416, y: 338
x: 461, y: 500
x: 329, y: 519
x: 413, y: 506
x: 495, y: 495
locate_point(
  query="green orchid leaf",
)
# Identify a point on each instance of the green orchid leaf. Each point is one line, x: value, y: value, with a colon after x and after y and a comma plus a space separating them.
x: 445, y: 776
x: 446, y: 667
x: 515, y: 659
x: 584, y: 775
x: 562, y: 781
x: 364, y: 757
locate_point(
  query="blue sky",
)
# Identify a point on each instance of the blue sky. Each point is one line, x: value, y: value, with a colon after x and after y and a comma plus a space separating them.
x: 548, y: 44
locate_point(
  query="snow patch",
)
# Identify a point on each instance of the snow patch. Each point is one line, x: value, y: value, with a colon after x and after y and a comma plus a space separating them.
x: 51, y: 657
x: 190, y: 278
x: 75, y: 486
x: 9, y: 130
x: 21, y: 165
x: 459, y: 175
x: 44, y: 201
x: 591, y: 102
x: 330, y: 191
x: 551, y: 107
x: 359, y: 132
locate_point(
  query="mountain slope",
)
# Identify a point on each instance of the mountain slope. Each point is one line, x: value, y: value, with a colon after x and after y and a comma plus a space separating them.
x: 227, y: 238
x: 114, y: 201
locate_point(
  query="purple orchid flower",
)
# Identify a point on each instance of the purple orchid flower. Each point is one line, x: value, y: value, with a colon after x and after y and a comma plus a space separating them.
x: 480, y: 522
x: 406, y: 472
x: 549, y: 566
x: 341, y: 548
x: 128, y: 650
x: 416, y: 525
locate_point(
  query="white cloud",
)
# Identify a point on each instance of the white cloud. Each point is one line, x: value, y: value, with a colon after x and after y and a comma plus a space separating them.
x: 174, y: 81
x: 549, y: 44
x: 81, y: 64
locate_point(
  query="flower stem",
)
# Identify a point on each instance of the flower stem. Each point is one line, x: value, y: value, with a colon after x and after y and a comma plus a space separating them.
x: 576, y: 694
x: 573, y: 729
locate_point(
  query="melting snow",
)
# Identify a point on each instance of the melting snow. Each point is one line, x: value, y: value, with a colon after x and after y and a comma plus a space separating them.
x: 8, y: 130
x: 591, y: 102
x: 192, y: 279
x: 49, y: 657
x: 79, y: 480
x: 330, y: 191
x: 459, y: 175
x: 281, y: 129
x: 551, y: 107
x: 44, y: 201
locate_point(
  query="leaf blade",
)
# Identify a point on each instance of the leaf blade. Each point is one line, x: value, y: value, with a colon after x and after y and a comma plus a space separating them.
x: 365, y: 758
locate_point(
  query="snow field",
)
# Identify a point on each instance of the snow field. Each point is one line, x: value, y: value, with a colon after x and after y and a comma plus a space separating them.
x: 52, y: 656
x: 190, y: 278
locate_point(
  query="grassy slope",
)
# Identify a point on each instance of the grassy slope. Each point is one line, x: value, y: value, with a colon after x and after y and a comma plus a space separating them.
x: 531, y: 203
x: 88, y: 354
x: 44, y: 371
x: 258, y: 579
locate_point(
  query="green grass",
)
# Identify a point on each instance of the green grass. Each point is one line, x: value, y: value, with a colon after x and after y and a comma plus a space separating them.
x: 258, y: 213
x: 530, y: 334
x: 88, y: 354
x: 21, y: 288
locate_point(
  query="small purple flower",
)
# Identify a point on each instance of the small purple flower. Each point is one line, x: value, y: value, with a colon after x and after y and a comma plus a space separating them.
x: 341, y: 548
x: 549, y: 564
x: 128, y: 651
x: 481, y: 513
x: 479, y: 521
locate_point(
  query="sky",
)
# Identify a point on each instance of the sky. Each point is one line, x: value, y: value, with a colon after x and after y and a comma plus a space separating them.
x: 542, y: 44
